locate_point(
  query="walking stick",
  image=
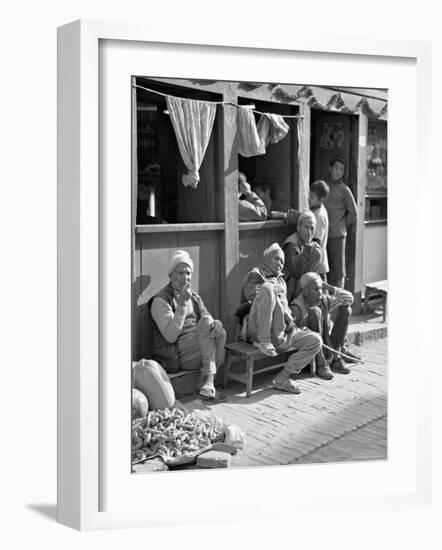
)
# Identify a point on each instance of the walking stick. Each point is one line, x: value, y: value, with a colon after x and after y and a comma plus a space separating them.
x: 353, y: 359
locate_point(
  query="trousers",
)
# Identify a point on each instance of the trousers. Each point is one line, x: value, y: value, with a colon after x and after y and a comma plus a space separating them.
x: 266, y: 324
x: 317, y: 321
x: 197, y: 349
x: 336, y: 260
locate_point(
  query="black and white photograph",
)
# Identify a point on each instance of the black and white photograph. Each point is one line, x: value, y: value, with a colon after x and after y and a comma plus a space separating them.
x: 209, y: 214
x: 259, y: 274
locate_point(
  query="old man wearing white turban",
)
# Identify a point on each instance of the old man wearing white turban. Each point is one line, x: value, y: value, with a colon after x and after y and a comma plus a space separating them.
x: 185, y: 335
x: 312, y: 309
x: 269, y: 324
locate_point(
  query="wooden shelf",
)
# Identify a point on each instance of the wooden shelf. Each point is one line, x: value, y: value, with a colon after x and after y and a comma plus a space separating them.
x: 175, y: 227
x: 269, y: 224
x: 215, y: 226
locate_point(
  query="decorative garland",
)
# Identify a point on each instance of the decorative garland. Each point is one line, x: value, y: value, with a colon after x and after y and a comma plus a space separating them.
x: 335, y: 103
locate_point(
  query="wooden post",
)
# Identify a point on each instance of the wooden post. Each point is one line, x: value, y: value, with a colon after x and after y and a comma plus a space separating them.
x: 304, y: 156
x: 228, y: 154
x: 360, y: 202
x: 134, y: 177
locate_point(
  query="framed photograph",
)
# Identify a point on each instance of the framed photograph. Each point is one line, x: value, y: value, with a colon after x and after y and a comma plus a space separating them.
x: 195, y: 180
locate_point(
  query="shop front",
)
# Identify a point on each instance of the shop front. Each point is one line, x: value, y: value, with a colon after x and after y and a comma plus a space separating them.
x: 203, y: 219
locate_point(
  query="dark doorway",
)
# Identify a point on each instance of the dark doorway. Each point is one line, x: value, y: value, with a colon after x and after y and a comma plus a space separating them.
x: 332, y: 135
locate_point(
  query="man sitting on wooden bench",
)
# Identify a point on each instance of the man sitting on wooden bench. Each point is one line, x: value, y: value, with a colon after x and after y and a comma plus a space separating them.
x: 268, y: 322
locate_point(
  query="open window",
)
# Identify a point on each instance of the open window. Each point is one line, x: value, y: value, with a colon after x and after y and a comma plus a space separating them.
x: 161, y: 195
x: 277, y: 168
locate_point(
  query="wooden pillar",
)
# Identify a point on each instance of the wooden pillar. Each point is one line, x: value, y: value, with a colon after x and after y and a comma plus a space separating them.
x: 360, y: 202
x: 228, y: 154
x: 134, y: 178
x: 304, y: 155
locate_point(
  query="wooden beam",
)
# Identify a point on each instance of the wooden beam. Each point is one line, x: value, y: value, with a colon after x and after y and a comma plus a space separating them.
x: 228, y: 166
x: 304, y: 156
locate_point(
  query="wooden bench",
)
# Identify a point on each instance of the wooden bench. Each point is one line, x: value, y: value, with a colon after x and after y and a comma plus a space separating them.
x: 243, y: 351
x: 378, y: 287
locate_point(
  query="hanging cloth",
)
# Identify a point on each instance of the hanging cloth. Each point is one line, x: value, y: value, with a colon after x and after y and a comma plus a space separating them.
x: 193, y: 122
x: 272, y: 128
x: 250, y: 144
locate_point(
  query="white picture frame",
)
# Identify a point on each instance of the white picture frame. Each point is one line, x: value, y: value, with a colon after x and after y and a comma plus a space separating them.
x: 84, y: 304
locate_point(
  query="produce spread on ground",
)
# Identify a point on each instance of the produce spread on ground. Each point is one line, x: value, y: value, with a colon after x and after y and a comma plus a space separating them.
x: 175, y: 435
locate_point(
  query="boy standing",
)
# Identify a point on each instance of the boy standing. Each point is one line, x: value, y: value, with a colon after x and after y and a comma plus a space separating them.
x: 342, y: 214
x: 319, y: 191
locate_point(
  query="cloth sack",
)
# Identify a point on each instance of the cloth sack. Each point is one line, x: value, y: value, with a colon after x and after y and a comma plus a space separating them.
x: 151, y: 379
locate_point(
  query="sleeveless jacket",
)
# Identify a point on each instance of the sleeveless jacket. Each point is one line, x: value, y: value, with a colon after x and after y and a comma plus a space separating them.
x: 164, y: 352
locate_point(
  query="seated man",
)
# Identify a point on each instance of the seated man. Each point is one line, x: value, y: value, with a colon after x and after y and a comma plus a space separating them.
x: 250, y: 206
x: 185, y: 335
x: 312, y: 309
x: 264, y: 192
x: 270, y: 324
x: 276, y: 209
x: 302, y: 253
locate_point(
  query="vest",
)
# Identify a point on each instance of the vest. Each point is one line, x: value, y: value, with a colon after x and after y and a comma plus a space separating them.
x: 163, y: 351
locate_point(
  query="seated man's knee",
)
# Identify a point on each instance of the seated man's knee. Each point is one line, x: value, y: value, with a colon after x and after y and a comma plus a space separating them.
x: 205, y: 322
x: 346, y: 311
x: 315, y: 342
x: 267, y: 288
x: 318, y: 342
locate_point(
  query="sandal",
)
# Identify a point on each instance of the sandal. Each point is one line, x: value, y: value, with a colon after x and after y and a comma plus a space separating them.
x: 288, y: 386
x: 209, y: 393
x: 266, y: 348
x: 216, y: 397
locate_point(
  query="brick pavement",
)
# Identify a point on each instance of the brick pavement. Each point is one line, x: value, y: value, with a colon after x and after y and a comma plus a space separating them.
x: 283, y: 428
x: 366, y: 443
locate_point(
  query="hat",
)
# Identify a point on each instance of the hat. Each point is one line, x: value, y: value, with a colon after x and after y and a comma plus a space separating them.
x: 272, y: 249
x: 307, y: 278
x: 179, y: 257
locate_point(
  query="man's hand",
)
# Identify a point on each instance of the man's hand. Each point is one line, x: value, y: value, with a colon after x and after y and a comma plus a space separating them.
x: 183, y: 296
x: 217, y: 329
x: 326, y: 286
x: 288, y: 320
x: 244, y: 187
x: 315, y: 251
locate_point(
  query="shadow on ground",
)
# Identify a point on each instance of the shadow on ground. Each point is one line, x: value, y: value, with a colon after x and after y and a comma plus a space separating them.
x: 48, y: 511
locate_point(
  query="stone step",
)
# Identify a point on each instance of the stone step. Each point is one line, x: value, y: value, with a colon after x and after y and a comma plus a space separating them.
x: 365, y: 328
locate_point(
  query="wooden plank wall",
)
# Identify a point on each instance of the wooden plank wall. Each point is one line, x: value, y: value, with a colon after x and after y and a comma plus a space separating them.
x: 251, y: 246
x: 153, y: 252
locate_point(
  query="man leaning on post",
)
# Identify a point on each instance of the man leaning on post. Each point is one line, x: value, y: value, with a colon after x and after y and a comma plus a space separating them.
x: 185, y: 335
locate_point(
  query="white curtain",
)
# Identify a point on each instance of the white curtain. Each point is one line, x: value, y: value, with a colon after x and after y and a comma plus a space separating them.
x: 272, y: 128
x: 193, y: 122
x: 250, y: 144
x: 253, y: 138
